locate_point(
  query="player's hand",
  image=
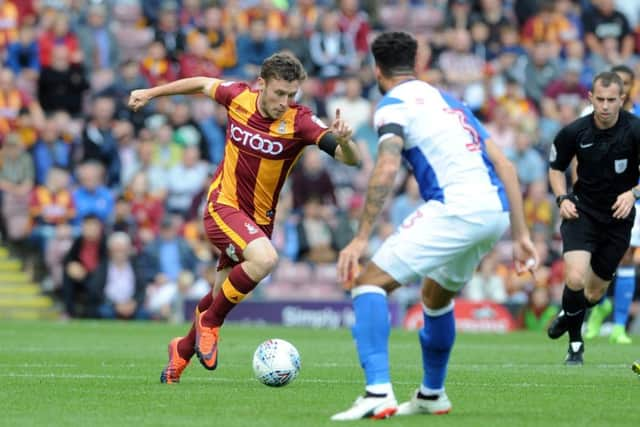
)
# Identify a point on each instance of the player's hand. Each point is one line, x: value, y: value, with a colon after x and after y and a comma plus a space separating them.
x: 525, y: 255
x: 348, y: 261
x: 139, y: 98
x: 623, y: 205
x: 341, y: 129
x: 568, y: 209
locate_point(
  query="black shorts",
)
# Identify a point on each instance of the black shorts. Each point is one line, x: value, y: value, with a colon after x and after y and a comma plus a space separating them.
x: 606, y: 241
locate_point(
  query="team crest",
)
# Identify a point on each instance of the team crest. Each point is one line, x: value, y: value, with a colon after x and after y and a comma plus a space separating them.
x: 251, y: 228
x: 231, y: 253
x: 620, y: 165
x: 283, y: 127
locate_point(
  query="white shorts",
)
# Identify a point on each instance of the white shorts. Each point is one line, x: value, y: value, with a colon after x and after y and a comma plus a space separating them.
x: 431, y: 242
x: 635, y: 231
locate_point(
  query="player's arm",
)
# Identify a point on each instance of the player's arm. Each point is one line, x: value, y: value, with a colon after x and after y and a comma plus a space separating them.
x: 338, y: 143
x: 192, y: 85
x: 381, y: 183
x: 345, y: 151
x: 561, y: 157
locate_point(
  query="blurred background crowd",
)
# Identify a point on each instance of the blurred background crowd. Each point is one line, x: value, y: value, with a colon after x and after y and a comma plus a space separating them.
x: 103, y: 205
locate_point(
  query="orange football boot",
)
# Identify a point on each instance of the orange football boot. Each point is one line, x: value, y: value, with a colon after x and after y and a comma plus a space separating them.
x: 207, y: 344
x: 171, y: 373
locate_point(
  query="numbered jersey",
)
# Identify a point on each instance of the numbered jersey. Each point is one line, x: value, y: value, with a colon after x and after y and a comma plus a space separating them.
x: 445, y: 145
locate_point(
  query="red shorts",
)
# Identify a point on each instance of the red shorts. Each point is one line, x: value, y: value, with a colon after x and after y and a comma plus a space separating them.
x: 231, y: 230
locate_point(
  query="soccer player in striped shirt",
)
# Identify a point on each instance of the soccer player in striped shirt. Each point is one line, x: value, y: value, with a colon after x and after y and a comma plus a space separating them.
x: 266, y: 134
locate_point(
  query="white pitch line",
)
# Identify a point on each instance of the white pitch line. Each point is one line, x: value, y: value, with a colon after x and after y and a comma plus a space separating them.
x: 299, y: 380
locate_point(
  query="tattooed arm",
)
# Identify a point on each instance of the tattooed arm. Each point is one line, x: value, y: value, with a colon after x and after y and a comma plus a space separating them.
x: 381, y: 183
x: 380, y: 186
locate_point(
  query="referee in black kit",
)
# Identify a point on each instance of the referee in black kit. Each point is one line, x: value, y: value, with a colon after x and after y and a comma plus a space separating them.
x: 598, y: 215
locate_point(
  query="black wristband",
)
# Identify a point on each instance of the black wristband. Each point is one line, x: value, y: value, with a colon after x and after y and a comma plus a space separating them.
x: 561, y: 199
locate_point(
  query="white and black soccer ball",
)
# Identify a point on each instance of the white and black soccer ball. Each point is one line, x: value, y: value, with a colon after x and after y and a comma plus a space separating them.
x: 276, y: 362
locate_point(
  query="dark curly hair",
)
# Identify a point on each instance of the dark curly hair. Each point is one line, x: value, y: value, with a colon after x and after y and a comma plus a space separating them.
x: 395, y: 52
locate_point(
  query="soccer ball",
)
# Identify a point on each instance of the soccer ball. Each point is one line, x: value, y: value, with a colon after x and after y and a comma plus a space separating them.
x: 276, y: 362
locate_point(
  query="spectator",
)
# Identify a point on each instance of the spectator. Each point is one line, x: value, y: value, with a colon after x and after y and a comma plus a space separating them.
x: 80, y: 263
x: 354, y: 23
x: 332, y: 52
x: 9, y: 26
x: 185, y: 181
x: 50, y: 151
x: 117, y: 288
x: 195, y: 62
x: 255, y: 46
x: 99, y: 46
x: 566, y: 90
x: 92, y: 197
x: 62, y: 83
x: 539, y: 72
x: 12, y: 101
x: 405, y: 203
x: 16, y: 182
x: 295, y: 41
x: 167, y: 256
x: 354, y: 109
x: 221, y: 43
x: 168, y: 31
x: 486, y: 284
x: 51, y: 208
x: 146, y: 210
x: 22, y: 54
x: 98, y: 142
x: 528, y: 162
x: 156, y: 67
x: 603, y: 21
x: 60, y: 35
x: 311, y: 179
x: 316, y: 237
x: 549, y: 26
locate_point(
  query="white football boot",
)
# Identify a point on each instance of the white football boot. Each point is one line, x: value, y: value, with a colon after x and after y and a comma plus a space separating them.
x: 369, y: 407
x: 439, y: 406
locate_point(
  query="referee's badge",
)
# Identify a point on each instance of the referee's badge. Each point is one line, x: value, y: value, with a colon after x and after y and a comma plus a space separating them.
x: 553, y: 154
x: 620, y: 165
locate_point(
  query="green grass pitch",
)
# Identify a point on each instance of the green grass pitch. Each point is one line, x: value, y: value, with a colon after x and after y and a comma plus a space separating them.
x: 107, y: 374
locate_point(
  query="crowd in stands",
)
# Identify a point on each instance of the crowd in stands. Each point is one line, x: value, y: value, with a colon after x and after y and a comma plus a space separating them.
x: 104, y: 204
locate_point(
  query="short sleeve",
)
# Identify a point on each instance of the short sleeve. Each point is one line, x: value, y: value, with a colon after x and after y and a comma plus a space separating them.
x: 224, y: 91
x: 309, y: 128
x: 391, y: 114
x: 563, y: 149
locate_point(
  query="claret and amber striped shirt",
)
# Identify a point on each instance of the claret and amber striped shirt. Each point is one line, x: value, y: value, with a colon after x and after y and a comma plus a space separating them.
x: 259, y: 152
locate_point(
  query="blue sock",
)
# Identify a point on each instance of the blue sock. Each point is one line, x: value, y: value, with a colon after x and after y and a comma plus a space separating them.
x: 437, y: 339
x: 623, y: 294
x: 371, y: 332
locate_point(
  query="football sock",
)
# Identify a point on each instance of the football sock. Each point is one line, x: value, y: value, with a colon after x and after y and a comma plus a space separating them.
x: 436, y: 339
x: 573, y: 305
x: 371, y: 334
x: 233, y: 290
x: 186, y: 344
x: 625, y: 286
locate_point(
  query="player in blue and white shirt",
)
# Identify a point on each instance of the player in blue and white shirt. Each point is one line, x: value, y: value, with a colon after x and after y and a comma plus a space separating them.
x: 471, y: 195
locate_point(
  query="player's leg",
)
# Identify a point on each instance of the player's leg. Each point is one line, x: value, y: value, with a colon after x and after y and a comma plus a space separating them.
x: 624, y: 286
x: 612, y: 252
x: 249, y: 247
x: 371, y: 335
x: 436, y: 341
x: 182, y: 349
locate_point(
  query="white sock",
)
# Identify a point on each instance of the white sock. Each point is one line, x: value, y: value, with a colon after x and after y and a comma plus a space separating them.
x: 426, y: 391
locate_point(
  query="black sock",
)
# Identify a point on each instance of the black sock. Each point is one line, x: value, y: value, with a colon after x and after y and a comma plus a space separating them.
x: 369, y: 394
x: 573, y: 304
x: 428, y: 397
